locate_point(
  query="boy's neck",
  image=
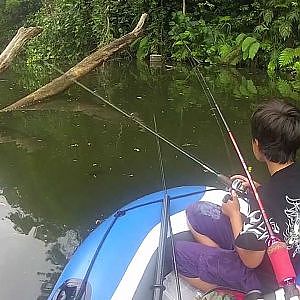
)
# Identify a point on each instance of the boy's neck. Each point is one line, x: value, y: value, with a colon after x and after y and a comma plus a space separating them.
x: 275, y: 167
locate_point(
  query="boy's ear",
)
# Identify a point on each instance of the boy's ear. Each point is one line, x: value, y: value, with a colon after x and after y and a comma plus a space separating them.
x: 256, y: 150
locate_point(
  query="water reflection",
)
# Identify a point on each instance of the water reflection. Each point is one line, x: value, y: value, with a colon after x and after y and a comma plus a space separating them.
x: 29, y: 257
x: 66, y: 163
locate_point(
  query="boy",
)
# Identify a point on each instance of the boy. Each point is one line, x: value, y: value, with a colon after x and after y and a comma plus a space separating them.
x: 232, y: 253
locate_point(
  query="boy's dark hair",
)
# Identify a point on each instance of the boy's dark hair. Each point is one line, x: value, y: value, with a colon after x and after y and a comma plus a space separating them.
x: 276, y: 126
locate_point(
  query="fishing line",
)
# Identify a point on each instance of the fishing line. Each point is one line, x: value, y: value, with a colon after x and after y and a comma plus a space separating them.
x: 224, y: 179
x: 161, y: 165
x: 174, y: 262
x: 195, y: 66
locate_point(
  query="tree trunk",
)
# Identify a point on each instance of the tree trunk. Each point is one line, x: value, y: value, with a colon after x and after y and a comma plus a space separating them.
x: 183, y: 6
x: 61, y: 83
x: 15, y: 46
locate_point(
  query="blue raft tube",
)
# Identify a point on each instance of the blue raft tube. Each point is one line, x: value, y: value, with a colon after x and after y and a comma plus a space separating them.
x: 117, y: 260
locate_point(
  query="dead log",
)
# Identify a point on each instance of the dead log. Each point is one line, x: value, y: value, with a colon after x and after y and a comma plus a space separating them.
x: 98, y: 57
x: 16, y: 44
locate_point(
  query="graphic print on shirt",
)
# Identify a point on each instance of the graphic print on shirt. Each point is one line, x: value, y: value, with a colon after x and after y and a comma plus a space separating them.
x: 292, y: 232
x: 256, y: 226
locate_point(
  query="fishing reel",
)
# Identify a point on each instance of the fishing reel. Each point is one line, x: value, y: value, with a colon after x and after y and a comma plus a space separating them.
x: 239, y: 188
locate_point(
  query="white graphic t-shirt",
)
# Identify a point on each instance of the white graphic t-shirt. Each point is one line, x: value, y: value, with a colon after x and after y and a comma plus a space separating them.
x: 281, y: 199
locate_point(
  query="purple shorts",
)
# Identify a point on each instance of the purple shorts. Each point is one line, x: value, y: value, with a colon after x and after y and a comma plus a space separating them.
x: 221, y: 266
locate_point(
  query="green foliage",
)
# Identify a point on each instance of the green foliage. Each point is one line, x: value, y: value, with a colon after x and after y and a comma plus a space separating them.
x: 248, y: 33
x: 247, y: 42
x: 240, y: 38
x: 112, y: 18
x: 251, y: 34
x: 73, y: 28
x: 287, y: 89
x: 143, y: 48
x: 253, y: 50
x: 250, y: 47
x: 14, y: 14
x: 286, y: 57
x: 196, y: 39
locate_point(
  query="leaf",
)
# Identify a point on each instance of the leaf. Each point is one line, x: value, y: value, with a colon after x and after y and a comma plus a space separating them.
x: 240, y: 38
x: 293, y: 16
x: 296, y: 85
x: 243, y: 89
x: 224, y: 50
x: 268, y: 16
x: 297, y: 52
x: 251, y: 87
x: 247, y: 42
x: 267, y: 46
x: 225, y: 18
x: 261, y: 28
x: 284, y: 88
x: 179, y: 43
x: 253, y: 49
x: 297, y: 67
x: 271, y: 67
x: 144, y: 48
x: 235, y: 61
x: 285, y: 30
x: 245, y: 54
x: 286, y: 57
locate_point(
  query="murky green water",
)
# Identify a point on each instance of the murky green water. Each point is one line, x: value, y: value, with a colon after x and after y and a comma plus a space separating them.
x: 72, y: 161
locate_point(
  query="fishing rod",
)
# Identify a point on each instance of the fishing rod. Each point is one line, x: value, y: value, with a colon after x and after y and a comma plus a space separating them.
x: 238, y: 152
x: 165, y: 224
x: 222, y: 178
x: 277, y: 249
x: 158, y: 287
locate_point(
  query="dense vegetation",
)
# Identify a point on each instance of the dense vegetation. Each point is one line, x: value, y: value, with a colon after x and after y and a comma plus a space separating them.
x: 257, y: 33
x: 13, y: 14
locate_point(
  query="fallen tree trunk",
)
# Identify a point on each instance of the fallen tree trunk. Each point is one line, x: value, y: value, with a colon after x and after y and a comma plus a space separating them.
x: 16, y: 44
x: 61, y: 83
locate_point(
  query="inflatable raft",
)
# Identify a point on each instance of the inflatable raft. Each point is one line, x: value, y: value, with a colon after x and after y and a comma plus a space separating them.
x: 117, y: 260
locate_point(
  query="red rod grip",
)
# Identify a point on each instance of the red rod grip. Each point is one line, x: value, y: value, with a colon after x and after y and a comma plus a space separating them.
x: 281, y: 263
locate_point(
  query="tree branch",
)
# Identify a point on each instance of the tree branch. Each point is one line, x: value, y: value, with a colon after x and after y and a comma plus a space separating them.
x: 63, y: 82
x: 16, y: 44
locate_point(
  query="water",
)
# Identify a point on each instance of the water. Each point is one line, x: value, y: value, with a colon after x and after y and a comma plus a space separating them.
x: 72, y: 161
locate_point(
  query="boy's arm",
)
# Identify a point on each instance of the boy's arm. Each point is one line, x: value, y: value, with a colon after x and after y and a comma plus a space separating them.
x: 250, y: 258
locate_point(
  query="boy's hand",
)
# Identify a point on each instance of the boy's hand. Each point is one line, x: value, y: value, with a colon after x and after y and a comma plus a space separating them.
x: 231, y: 208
